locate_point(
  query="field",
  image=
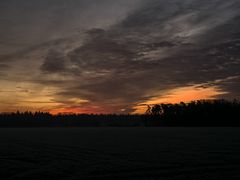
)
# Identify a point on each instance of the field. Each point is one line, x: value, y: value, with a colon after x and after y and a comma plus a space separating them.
x: 120, y: 153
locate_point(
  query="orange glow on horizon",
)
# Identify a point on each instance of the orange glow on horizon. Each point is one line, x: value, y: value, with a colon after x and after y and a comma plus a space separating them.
x: 183, y: 94
x: 77, y: 110
x: 65, y: 111
x: 37, y: 98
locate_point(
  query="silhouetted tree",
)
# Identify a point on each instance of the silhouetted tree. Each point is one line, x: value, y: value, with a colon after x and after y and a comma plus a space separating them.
x: 196, y: 113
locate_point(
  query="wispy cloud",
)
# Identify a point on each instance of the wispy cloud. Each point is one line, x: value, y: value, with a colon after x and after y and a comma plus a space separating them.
x: 94, y: 57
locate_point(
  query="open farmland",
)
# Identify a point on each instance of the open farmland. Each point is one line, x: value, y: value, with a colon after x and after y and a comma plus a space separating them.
x: 120, y: 153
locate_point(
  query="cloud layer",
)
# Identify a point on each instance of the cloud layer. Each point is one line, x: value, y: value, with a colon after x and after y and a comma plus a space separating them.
x: 111, y: 56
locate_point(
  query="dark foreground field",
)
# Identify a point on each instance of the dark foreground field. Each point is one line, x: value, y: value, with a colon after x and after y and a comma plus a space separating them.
x: 120, y: 153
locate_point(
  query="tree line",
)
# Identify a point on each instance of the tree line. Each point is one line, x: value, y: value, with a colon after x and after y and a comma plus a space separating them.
x: 198, y: 113
x: 195, y: 113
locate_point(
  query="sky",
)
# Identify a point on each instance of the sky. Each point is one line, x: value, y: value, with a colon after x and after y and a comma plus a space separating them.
x: 116, y: 56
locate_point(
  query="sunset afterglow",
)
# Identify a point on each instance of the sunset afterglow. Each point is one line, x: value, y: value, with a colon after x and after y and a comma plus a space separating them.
x: 116, y: 56
x: 183, y: 94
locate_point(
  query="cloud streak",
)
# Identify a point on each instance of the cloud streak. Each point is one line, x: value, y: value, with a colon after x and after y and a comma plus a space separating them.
x: 116, y: 60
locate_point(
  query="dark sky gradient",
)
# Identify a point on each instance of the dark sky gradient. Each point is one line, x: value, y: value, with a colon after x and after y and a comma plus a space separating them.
x: 116, y: 55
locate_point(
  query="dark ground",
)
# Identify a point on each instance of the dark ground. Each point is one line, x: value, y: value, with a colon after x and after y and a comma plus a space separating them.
x: 120, y: 153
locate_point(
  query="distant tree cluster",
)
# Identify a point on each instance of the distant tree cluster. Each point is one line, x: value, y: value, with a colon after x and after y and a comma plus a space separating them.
x: 195, y: 113
x: 44, y: 119
x: 198, y: 113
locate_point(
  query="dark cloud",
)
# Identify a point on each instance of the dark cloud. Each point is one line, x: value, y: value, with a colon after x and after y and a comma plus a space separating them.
x: 31, y: 22
x: 4, y: 66
x: 156, y: 46
x: 141, y: 56
x: 3, y: 69
x: 54, y: 63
